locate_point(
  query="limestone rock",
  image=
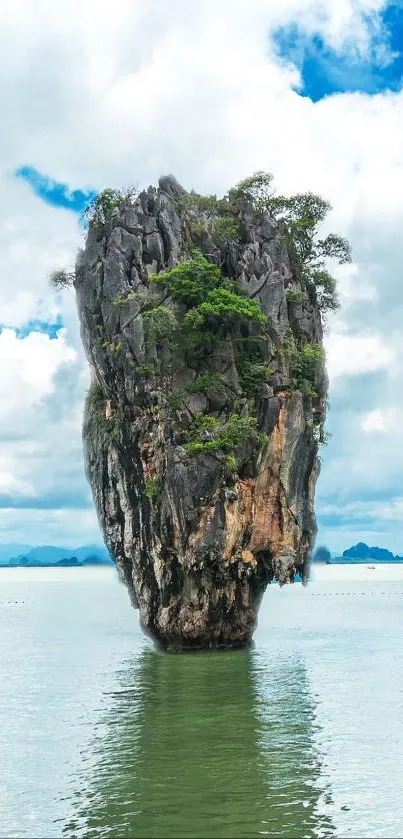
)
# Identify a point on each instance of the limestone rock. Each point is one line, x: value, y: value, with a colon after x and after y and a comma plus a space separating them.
x: 196, y: 543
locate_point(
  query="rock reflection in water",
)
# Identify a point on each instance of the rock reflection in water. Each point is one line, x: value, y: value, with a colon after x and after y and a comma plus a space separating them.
x: 204, y: 745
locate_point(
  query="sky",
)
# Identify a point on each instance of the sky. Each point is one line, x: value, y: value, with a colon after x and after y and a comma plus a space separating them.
x: 97, y: 95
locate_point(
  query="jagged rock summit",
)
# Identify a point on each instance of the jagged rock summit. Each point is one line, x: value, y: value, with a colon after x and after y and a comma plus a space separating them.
x: 207, y: 400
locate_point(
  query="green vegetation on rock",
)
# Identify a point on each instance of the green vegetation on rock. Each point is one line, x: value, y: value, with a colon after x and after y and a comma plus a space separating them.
x: 94, y: 393
x: 152, y: 487
x: 214, y: 303
x: 208, y: 436
x: 209, y: 216
x: 294, y: 295
x: 196, y: 312
x: 252, y: 372
x: 224, y: 230
x: 99, y: 209
x: 208, y: 383
x: 211, y: 310
x: 160, y: 324
x: 61, y: 279
x: 228, y: 309
x: 200, y: 203
x: 109, y: 427
x: 256, y: 191
x: 301, y: 215
x: 189, y: 282
x: 304, y: 368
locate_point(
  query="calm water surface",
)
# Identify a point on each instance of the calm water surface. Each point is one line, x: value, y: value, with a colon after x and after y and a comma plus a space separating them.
x: 102, y: 736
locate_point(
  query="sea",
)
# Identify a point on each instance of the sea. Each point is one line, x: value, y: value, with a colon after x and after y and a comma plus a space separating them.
x: 104, y: 736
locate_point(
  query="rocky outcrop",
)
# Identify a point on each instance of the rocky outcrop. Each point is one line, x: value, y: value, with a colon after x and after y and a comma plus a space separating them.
x: 197, y: 531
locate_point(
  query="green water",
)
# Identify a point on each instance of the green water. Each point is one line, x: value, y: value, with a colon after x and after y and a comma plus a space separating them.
x: 189, y: 749
x: 102, y: 736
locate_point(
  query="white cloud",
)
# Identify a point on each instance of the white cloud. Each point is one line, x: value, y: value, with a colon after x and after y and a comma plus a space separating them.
x: 352, y: 355
x: 105, y: 94
x: 28, y: 366
x: 380, y: 421
x: 67, y: 527
x: 42, y: 385
x: 10, y: 484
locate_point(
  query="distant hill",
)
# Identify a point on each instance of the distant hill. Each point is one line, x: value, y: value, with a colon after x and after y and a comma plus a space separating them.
x: 11, y: 549
x: 15, y: 555
x: 322, y: 554
x: 362, y: 553
x: 356, y: 555
x: 50, y: 555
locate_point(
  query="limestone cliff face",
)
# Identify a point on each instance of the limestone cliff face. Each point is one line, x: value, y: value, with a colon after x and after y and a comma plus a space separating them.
x: 196, y: 536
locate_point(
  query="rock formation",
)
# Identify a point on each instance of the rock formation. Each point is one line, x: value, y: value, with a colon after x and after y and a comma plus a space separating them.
x: 202, y: 422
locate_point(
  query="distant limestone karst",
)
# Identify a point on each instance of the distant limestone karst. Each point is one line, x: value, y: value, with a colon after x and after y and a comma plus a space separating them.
x: 361, y: 551
x: 50, y: 556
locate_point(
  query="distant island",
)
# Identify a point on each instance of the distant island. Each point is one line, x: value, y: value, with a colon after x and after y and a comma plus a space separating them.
x: 359, y: 554
x: 50, y: 556
x: 14, y: 555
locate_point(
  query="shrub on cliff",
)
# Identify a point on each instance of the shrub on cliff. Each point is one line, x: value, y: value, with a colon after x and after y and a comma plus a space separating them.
x: 257, y: 190
x: 96, y: 213
x: 251, y: 371
x: 304, y: 367
x: 225, y: 307
x: 189, y: 282
x: 216, y: 306
x: 61, y: 279
x: 208, y: 436
x: 208, y: 383
x: 302, y: 215
x: 95, y: 395
x: 210, y: 310
x: 160, y: 324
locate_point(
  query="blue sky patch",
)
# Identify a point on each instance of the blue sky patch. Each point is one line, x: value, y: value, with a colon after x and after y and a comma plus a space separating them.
x: 54, y: 193
x: 325, y: 71
x: 50, y: 329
